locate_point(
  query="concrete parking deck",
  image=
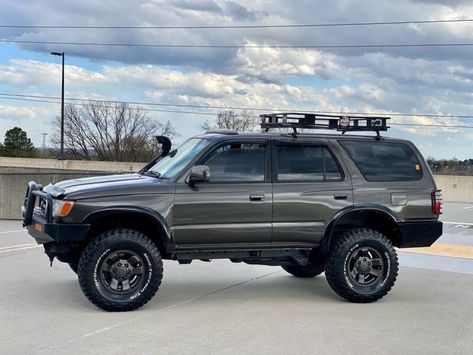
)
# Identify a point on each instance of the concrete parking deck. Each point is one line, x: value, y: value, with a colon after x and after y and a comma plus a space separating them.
x: 220, y: 307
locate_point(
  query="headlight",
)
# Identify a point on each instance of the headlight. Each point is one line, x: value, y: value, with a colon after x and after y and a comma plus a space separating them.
x: 62, y: 208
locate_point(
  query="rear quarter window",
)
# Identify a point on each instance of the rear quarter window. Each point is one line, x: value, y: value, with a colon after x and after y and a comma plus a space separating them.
x: 384, y: 161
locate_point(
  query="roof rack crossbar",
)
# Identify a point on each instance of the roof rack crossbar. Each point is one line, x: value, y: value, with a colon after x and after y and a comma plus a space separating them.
x: 341, y: 123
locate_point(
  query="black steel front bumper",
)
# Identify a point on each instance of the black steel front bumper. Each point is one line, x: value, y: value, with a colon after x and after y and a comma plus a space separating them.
x: 419, y: 234
x: 40, y: 222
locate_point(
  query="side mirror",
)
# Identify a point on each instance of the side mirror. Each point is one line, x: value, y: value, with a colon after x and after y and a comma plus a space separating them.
x: 199, y: 173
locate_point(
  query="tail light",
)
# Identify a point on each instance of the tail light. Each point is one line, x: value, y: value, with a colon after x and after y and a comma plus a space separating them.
x: 436, y: 202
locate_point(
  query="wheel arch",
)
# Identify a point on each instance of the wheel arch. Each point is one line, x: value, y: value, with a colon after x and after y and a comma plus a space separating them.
x: 142, y: 219
x: 375, y: 217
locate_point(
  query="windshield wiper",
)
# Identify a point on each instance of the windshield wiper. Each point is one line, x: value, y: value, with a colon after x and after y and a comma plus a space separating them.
x: 151, y: 173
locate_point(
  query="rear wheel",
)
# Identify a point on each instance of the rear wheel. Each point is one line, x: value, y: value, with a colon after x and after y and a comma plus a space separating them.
x: 362, y: 266
x: 305, y: 271
x: 120, y: 270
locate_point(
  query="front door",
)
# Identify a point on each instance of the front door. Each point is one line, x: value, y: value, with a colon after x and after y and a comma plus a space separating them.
x: 232, y: 209
x: 309, y: 188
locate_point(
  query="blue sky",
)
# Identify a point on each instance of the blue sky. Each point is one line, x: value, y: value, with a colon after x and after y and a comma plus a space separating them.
x: 429, y: 80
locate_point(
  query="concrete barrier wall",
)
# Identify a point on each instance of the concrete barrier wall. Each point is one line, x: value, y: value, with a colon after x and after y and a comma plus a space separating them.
x: 13, y: 186
x: 455, y: 188
x: 15, y: 173
x: 83, y: 165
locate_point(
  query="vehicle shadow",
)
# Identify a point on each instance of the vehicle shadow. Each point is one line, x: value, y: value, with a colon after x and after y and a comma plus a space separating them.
x: 277, y: 288
x: 206, y: 287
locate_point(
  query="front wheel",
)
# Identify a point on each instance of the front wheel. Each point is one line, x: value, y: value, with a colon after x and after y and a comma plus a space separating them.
x: 362, y: 266
x: 120, y: 270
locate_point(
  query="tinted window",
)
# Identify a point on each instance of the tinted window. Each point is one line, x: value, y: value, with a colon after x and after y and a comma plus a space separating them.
x: 382, y: 161
x: 306, y: 163
x: 237, y: 162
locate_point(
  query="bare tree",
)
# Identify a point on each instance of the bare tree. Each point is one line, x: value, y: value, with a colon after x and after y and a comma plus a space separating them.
x: 110, y: 131
x: 239, y: 121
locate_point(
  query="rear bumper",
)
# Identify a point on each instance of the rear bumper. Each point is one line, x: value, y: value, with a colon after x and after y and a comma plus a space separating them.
x: 419, y: 234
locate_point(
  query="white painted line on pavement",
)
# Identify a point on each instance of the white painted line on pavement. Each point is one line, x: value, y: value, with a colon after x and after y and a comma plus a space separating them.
x: 18, y: 247
x: 152, y: 313
x: 465, y: 223
x: 467, y: 208
x: 15, y: 231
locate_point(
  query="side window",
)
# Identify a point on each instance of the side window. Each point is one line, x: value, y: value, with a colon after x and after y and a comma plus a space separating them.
x: 384, y: 161
x: 306, y: 163
x: 237, y: 162
x: 332, y: 170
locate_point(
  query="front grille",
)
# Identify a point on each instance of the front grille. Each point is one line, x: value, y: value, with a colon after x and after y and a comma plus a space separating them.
x: 42, y: 206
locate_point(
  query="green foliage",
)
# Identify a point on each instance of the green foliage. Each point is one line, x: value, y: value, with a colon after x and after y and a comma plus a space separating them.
x: 17, y: 144
x: 451, y: 166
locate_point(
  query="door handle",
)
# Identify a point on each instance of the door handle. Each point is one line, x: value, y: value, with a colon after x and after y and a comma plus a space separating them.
x: 257, y: 197
x: 340, y: 196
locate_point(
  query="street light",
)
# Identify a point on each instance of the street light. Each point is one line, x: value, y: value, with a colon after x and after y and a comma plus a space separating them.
x: 61, y: 54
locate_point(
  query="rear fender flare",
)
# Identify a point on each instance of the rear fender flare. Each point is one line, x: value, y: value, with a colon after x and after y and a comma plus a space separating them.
x: 329, y: 231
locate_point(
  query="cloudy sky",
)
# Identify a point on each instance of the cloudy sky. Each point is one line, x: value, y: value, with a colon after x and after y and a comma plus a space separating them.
x: 412, y: 81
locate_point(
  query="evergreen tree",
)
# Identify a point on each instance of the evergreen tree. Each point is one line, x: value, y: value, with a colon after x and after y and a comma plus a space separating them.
x: 17, y: 143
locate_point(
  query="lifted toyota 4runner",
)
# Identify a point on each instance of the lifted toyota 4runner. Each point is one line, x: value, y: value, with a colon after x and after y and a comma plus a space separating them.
x: 310, y: 203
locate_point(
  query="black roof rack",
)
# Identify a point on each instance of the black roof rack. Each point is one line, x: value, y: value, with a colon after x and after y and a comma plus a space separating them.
x: 341, y: 123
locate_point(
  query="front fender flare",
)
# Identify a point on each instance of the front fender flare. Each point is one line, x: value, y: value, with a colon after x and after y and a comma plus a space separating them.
x: 158, y: 218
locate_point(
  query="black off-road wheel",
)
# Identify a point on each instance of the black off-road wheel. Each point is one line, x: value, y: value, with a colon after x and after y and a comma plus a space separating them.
x: 362, y: 266
x: 306, y: 271
x: 120, y: 270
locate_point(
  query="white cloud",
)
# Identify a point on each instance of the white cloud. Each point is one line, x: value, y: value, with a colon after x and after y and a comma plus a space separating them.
x: 34, y: 74
x: 432, y: 80
x: 274, y: 64
x: 14, y: 112
x: 34, y: 119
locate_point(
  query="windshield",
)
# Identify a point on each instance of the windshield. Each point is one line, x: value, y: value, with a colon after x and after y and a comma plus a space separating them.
x: 176, y: 160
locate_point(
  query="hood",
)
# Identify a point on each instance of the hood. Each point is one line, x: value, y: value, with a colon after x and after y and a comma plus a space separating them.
x: 110, y: 185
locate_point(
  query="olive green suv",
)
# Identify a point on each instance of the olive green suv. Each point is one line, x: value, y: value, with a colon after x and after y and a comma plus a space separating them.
x: 310, y: 203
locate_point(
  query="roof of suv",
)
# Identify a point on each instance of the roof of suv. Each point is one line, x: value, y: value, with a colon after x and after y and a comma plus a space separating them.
x: 222, y: 134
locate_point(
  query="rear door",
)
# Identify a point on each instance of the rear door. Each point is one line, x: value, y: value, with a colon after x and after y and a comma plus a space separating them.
x: 310, y: 185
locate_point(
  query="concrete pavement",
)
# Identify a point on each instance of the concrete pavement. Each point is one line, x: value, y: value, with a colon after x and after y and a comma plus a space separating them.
x: 221, y: 307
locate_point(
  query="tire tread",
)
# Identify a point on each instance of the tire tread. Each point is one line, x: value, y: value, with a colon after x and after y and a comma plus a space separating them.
x: 120, y: 234
x: 334, y: 273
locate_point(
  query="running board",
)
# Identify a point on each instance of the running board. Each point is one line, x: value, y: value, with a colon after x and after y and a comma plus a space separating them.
x: 266, y: 257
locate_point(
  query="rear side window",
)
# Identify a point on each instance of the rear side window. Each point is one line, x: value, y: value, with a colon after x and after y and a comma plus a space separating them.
x: 306, y: 163
x: 384, y: 161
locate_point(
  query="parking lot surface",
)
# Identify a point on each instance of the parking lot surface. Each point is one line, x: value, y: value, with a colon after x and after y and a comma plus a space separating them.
x: 221, y: 307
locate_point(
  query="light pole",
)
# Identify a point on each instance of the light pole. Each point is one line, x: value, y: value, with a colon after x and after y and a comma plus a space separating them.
x: 61, y: 54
